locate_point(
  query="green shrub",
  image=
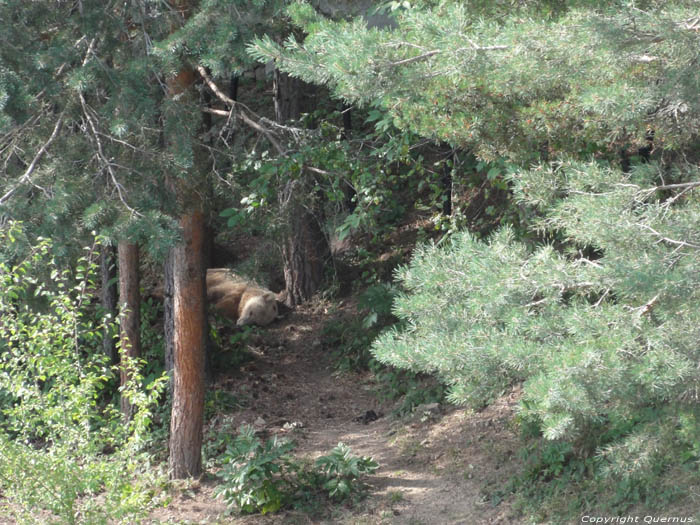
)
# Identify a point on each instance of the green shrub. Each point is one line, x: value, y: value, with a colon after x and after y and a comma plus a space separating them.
x: 229, y: 343
x: 218, y: 401
x: 152, y: 340
x: 264, y: 477
x: 343, y: 470
x: 351, y: 338
x: 63, y: 449
x: 351, y: 341
x: 256, y: 476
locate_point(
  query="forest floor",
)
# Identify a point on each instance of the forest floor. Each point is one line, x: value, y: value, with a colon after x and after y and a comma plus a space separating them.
x: 438, y: 466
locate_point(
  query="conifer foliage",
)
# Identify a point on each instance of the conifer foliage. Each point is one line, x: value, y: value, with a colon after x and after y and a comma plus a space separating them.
x: 595, y: 339
x: 590, y: 299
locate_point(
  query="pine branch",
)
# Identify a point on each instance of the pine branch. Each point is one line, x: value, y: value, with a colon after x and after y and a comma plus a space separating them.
x: 434, y: 52
x: 413, y: 59
x: 667, y: 240
x: 677, y: 186
x: 106, y: 163
x: 645, y: 309
x: 32, y: 166
x: 236, y: 105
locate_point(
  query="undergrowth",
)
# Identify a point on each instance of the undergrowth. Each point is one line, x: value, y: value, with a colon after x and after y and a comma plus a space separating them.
x: 350, y: 340
x: 265, y: 477
x: 66, y: 454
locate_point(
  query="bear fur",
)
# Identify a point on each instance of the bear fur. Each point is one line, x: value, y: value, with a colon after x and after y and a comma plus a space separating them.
x: 239, y: 300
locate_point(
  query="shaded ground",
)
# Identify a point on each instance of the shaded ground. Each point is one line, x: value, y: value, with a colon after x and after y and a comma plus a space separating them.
x: 436, y: 467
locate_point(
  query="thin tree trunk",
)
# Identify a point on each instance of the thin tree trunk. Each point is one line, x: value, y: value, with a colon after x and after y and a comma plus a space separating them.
x: 108, y: 298
x: 168, y: 321
x: 286, y: 97
x: 130, y: 306
x: 447, y: 183
x: 187, y: 419
x: 348, y: 188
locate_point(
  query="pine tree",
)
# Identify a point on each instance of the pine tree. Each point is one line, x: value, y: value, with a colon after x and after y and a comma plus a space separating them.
x: 591, y: 298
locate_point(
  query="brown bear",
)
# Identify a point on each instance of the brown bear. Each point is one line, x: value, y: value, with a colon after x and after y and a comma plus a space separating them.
x: 239, y: 300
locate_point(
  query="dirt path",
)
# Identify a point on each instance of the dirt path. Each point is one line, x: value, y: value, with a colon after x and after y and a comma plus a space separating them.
x: 435, y: 468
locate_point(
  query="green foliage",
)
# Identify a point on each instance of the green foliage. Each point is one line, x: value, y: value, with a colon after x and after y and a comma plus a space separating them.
x: 603, y: 345
x: 599, y: 325
x: 54, y: 430
x: 256, y: 475
x: 350, y: 339
x: 264, y: 478
x: 558, y: 482
x: 217, y: 439
x: 348, y: 342
x: 229, y: 343
x: 263, y: 265
x: 343, y: 470
x: 377, y: 300
x: 413, y: 389
x: 152, y: 340
x: 72, y: 62
x: 515, y: 80
x: 218, y: 401
x: 358, y: 185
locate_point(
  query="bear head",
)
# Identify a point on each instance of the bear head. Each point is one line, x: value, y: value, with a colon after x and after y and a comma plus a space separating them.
x: 260, y: 310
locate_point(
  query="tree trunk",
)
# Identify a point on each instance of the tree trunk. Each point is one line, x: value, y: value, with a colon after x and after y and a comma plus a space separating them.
x: 447, y: 183
x: 168, y: 320
x: 130, y: 311
x: 305, y: 248
x: 187, y: 419
x: 286, y: 97
x: 108, y: 298
x: 188, y: 321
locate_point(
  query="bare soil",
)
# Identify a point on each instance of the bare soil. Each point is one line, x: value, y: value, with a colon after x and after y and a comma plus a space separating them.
x: 438, y: 466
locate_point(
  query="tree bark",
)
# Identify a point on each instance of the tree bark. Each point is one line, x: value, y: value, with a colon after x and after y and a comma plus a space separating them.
x: 447, y: 183
x: 108, y: 299
x: 188, y: 320
x: 130, y: 311
x: 305, y: 248
x: 187, y: 419
x: 286, y: 97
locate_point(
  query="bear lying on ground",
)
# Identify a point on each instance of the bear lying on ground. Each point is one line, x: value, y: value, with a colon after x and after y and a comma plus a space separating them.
x: 239, y: 300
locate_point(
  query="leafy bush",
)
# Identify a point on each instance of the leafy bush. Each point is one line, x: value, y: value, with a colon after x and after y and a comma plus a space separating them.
x: 351, y: 339
x: 256, y: 476
x: 55, y: 433
x: 218, y: 401
x: 152, y: 340
x: 229, y: 342
x: 343, y: 470
x: 264, y: 477
x: 349, y: 342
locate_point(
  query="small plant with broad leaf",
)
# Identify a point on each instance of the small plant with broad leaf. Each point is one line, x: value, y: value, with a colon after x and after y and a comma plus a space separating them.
x: 256, y: 476
x: 343, y: 470
x: 264, y: 477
